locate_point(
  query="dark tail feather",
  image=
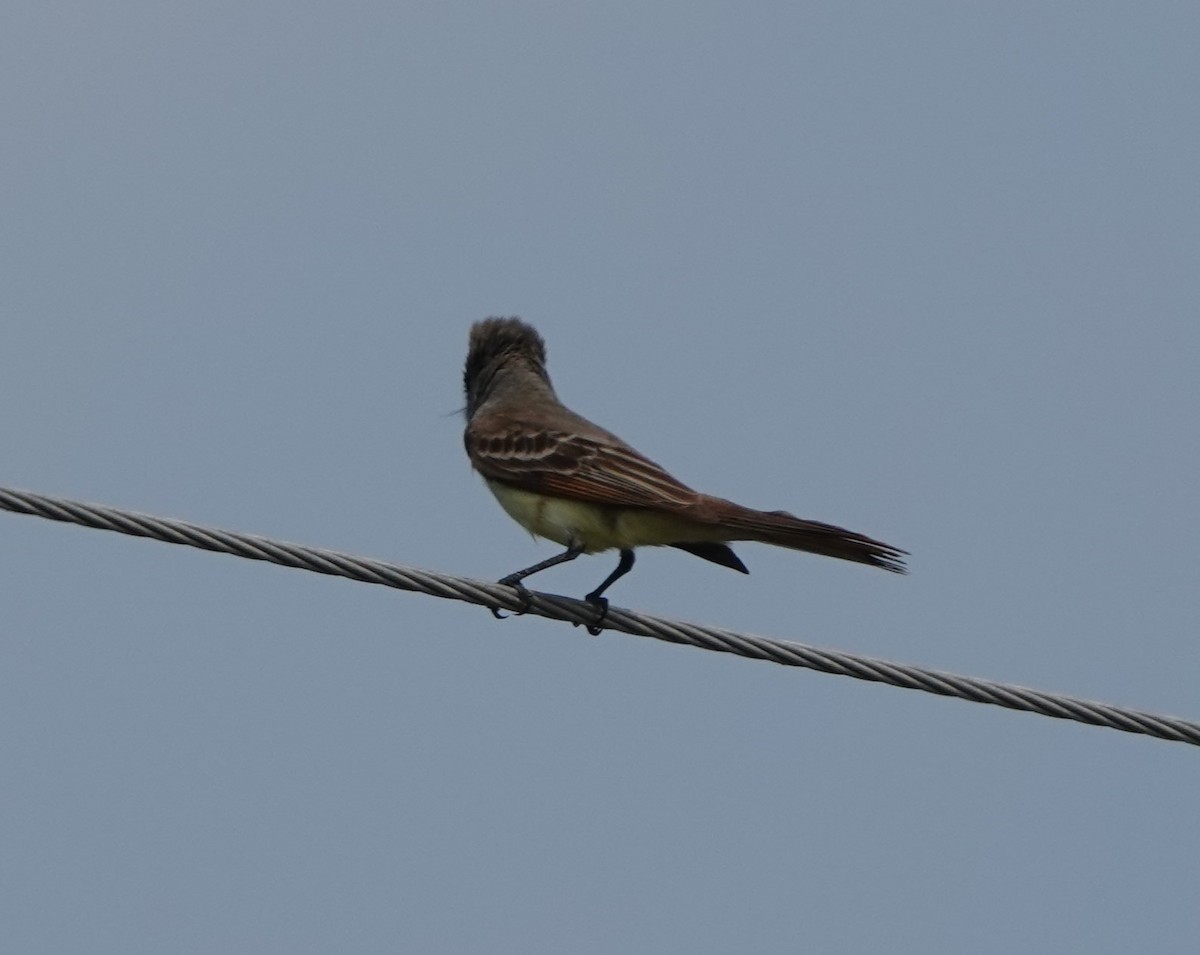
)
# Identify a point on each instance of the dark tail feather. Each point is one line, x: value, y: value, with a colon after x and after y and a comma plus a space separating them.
x: 787, y: 530
x: 718, y: 553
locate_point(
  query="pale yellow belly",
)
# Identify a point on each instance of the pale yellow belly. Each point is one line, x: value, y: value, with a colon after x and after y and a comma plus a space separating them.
x: 594, y: 526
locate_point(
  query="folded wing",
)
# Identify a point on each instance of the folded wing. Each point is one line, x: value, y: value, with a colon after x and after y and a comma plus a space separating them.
x: 577, y: 466
x: 605, y: 470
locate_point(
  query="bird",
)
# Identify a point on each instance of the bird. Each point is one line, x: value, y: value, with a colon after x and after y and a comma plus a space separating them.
x: 572, y: 482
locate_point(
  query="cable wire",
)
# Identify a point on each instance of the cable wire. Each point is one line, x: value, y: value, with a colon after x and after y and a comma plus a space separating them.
x: 579, y: 612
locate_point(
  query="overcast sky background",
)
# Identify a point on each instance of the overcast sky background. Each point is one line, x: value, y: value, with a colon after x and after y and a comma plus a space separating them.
x: 926, y: 270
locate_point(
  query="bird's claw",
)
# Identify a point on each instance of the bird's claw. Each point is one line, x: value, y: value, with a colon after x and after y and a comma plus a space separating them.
x: 522, y: 593
x: 601, y: 605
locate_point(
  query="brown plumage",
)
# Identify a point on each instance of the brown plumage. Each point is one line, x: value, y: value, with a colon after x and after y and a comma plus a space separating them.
x: 565, y: 478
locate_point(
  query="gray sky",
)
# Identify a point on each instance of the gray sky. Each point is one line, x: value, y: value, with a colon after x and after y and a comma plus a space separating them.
x: 928, y: 271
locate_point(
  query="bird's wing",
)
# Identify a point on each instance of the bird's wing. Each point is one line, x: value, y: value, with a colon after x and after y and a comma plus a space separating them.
x: 578, y: 467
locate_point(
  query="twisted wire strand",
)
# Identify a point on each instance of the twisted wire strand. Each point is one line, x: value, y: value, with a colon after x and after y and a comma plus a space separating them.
x: 579, y: 612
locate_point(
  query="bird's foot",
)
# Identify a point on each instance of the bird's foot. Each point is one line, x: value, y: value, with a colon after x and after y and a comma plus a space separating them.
x: 522, y: 592
x: 601, y: 605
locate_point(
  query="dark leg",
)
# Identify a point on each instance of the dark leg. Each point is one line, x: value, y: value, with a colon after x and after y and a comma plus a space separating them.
x: 624, y: 566
x: 514, y: 580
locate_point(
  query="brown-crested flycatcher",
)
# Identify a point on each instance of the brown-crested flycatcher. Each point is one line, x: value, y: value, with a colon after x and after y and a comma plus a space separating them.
x: 563, y: 478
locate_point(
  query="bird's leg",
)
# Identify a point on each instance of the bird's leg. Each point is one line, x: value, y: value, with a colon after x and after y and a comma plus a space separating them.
x: 514, y: 580
x: 624, y: 566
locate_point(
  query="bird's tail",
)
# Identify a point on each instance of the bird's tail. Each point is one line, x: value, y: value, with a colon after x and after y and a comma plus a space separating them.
x: 786, y: 530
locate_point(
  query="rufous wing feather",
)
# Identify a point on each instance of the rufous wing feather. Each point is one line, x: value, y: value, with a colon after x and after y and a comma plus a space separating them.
x: 578, y: 467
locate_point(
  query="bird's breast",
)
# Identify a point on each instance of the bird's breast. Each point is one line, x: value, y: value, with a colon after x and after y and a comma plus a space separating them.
x: 595, y: 526
x: 556, y: 518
